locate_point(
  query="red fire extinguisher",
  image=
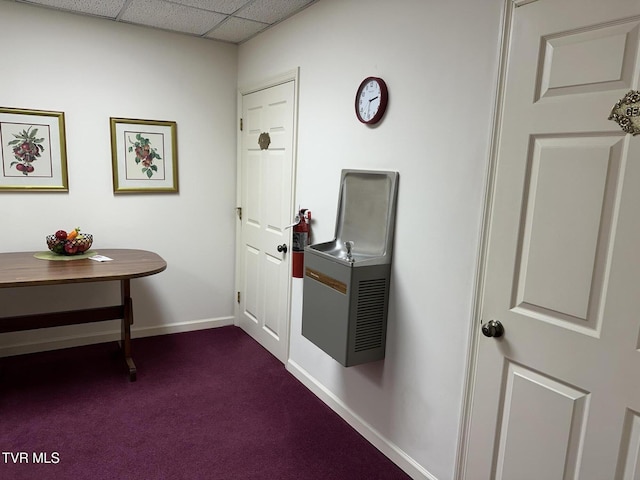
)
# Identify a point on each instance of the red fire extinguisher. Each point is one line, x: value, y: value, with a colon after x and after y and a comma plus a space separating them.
x: 301, y: 230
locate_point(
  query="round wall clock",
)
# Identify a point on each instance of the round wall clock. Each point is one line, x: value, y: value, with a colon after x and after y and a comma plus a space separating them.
x: 371, y: 100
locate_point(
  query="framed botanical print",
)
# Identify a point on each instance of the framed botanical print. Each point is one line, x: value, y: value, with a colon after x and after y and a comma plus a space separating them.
x: 144, y: 156
x: 33, y: 150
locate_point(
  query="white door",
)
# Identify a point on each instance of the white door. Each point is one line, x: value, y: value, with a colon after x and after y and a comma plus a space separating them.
x: 558, y: 395
x: 266, y: 172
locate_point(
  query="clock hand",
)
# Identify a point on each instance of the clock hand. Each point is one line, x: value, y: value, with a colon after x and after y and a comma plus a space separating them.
x: 372, y: 99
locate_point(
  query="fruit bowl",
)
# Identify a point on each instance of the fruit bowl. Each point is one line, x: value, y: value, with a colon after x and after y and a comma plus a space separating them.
x: 77, y: 246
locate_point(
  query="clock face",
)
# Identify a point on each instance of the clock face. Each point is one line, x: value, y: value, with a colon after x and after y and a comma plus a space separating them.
x: 371, y: 100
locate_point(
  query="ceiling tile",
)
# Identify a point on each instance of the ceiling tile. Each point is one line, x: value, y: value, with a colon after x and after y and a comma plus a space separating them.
x: 236, y: 30
x: 171, y: 16
x: 101, y: 8
x: 220, y: 6
x: 228, y: 20
x: 271, y: 11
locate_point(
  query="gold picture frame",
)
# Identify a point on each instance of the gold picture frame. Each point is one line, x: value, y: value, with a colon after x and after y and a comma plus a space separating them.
x: 33, y: 151
x: 144, y: 156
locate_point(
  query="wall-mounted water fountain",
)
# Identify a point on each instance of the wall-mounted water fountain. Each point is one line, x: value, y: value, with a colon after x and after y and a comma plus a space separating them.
x: 346, y: 281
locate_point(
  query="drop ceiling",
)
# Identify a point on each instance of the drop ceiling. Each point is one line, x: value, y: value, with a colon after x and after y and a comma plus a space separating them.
x: 233, y: 21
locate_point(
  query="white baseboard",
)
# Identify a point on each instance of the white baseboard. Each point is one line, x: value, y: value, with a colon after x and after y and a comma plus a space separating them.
x: 182, y: 327
x: 67, y: 341
x: 388, y: 448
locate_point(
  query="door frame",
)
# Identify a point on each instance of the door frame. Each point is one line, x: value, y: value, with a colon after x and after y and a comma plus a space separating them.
x: 284, y: 77
x: 506, y: 32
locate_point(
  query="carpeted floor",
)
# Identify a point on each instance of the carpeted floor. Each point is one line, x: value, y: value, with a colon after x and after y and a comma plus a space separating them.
x: 211, y: 404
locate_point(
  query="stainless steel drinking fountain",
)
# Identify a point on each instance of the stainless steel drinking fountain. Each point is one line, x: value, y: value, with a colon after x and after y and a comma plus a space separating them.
x: 346, y: 281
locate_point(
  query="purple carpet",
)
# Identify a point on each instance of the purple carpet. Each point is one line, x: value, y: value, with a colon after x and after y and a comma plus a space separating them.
x: 211, y: 404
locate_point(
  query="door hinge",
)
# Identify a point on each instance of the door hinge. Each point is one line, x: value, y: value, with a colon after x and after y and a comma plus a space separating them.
x: 239, y: 212
x: 241, y: 125
x: 238, y: 297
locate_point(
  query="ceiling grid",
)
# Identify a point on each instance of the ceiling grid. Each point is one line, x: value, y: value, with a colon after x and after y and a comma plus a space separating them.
x: 233, y: 21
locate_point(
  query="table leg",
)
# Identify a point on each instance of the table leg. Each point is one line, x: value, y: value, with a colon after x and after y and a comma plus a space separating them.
x: 127, y: 321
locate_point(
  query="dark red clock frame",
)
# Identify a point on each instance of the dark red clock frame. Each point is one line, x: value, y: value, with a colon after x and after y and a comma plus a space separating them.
x: 384, y: 99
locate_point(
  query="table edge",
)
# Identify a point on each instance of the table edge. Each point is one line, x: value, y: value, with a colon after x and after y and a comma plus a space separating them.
x: 161, y: 266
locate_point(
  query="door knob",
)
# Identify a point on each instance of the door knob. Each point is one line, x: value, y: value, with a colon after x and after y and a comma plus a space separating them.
x: 493, y: 328
x: 282, y: 248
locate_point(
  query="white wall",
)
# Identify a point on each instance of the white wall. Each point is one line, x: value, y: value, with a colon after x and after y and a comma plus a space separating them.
x: 92, y: 69
x: 439, y: 60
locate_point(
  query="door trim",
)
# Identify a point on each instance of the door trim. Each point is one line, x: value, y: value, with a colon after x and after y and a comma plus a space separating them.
x: 287, y: 76
x: 481, y: 259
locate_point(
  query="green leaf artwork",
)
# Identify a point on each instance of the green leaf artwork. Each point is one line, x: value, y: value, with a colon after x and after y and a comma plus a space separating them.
x: 145, y: 154
x: 26, y: 150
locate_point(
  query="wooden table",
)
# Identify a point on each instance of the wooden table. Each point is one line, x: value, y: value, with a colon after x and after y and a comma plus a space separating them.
x: 22, y: 269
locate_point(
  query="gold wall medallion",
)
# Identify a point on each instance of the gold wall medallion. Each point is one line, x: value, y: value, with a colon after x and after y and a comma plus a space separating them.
x: 627, y: 112
x: 264, y: 140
